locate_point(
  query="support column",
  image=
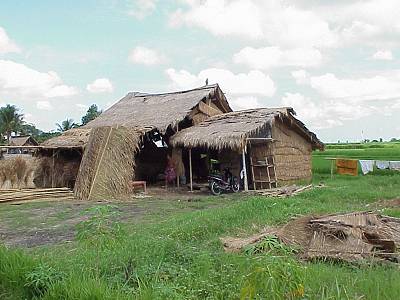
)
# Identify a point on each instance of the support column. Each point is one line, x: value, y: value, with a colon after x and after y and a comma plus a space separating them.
x: 245, y: 183
x: 190, y: 169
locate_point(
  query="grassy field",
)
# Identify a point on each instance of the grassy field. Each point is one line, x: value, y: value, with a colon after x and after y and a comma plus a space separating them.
x: 170, y: 248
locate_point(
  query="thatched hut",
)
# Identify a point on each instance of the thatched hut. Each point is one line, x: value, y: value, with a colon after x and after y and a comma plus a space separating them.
x: 270, y: 144
x: 23, y: 140
x: 149, y: 120
x: 131, y: 140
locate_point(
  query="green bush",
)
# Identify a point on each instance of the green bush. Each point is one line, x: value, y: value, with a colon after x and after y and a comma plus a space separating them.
x: 41, y: 278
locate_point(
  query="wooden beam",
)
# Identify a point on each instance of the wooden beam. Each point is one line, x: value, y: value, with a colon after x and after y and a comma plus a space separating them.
x: 190, y: 170
x: 246, y: 184
x: 208, y: 110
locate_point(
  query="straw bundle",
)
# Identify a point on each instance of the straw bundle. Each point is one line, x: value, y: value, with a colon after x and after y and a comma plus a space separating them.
x: 107, y: 164
x: 17, y: 172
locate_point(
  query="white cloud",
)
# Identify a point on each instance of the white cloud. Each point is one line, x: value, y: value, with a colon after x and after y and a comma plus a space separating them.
x: 383, y: 55
x: 27, y: 82
x: 100, y: 85
x: 239, y: 103
x: 146, y: 56
x: 326, y: 114
x: 82, y: 107
x: 6, y: 44
x: 243, y: 89
x: 222, y: 17
x: 140, y: 9
x: 251, y: 83
x: 44, y: 105
x: 379, y: 87
x: 301, y: 76
x: 269, y: 57
x: 279, y: 23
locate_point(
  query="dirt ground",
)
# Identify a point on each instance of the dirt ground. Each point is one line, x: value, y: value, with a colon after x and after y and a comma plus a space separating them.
x: 47, y: 223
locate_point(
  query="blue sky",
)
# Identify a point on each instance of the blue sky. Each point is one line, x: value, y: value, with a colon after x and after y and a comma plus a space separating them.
x: 336, y: 63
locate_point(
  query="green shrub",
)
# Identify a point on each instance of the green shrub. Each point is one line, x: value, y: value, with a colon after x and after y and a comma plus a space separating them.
x: 41, y: 278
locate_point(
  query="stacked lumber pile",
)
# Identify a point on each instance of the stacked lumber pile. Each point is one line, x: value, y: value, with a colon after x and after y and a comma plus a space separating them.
x: 15, y: 196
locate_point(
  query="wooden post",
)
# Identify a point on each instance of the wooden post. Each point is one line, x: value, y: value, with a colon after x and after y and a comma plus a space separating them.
x: 190, y: 169
x: 177, y: 175
x: 246, y: 184
x: 52, y: 171
x: 332, y: 162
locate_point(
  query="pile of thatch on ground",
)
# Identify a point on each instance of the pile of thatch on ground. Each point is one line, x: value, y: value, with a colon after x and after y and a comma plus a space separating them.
x: 108, y: 163
x: 348, y: 237
x: 17, y: 172
x: 285, y: 191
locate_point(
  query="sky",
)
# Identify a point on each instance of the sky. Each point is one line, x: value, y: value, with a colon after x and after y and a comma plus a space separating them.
x: 335, y: 62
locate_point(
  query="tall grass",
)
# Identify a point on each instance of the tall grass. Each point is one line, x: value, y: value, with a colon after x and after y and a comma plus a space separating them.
x: 181, y: 257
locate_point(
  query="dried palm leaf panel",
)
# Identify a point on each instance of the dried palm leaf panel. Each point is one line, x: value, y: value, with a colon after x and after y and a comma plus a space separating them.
x: 108, y: 163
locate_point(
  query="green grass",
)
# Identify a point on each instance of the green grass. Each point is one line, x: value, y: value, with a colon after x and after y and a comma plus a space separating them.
x: 174, y: 252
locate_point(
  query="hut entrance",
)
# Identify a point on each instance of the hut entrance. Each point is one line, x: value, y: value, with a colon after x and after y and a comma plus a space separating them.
x: 152, y: 158
x: 201, y: 162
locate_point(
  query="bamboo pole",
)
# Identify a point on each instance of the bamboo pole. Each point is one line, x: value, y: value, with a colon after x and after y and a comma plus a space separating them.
x: 190, y: 169
x: 246, y: 184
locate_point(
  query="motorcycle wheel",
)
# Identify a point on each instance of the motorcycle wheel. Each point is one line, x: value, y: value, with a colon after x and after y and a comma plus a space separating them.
x: 216, y: 189
x: 235, y: 185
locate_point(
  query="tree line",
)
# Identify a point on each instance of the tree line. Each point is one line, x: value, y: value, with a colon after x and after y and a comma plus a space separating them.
x: 12, y: 123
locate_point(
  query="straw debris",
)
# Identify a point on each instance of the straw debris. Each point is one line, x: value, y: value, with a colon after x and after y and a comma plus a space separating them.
x: 347, y: 237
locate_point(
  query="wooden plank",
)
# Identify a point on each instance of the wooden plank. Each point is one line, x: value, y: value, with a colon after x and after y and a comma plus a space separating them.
x: 190, y: 169
x: 208, y: 110
x: 246, y: 184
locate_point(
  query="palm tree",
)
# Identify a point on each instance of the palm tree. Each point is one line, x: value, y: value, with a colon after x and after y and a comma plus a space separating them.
x: 65, y: 125
x: 10, y: 120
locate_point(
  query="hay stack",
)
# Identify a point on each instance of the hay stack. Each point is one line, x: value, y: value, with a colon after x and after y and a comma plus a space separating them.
x: 17, y: 173
x: 107, y: 164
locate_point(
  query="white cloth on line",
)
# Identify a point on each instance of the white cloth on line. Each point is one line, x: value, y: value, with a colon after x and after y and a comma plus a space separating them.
x: 367, y: 166
x: 382, y: 164
x: 394, y: 165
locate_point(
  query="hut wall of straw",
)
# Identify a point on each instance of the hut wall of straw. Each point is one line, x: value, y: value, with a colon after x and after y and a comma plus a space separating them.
x: 292, y: 154
x: 17, y: 172
x: 57, y: 168
x: 107, y: 164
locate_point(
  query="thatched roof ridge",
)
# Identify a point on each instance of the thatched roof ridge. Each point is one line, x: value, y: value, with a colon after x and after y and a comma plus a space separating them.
x: 73, y: 138
x: 22, y: 140
x: 157, y: 111
x: 231, y: 130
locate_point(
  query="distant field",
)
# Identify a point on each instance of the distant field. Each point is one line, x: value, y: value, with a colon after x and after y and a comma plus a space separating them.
x: 375, y: 151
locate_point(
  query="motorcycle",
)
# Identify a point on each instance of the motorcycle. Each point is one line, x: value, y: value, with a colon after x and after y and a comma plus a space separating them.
x: 228, y: 182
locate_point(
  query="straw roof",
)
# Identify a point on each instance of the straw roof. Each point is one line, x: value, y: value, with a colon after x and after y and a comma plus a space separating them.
x: 231, y: 130
x: 144, y: 112
x: 22, y: 140
x: 73, y: 138
x: 158, y: 111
